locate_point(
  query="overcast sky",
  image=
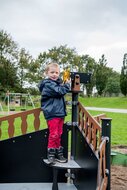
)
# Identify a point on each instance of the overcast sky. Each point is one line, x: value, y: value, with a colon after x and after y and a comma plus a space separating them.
x: 93, y: 27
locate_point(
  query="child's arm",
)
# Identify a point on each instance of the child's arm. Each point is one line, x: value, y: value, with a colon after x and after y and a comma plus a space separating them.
x: 55, y: 90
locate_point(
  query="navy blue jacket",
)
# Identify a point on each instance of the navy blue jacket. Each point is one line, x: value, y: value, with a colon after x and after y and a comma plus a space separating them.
x: 52, y: 101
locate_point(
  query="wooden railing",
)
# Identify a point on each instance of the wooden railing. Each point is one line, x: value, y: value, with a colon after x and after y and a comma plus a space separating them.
x: 91, y: 128
x: 102, y: 178
x: 10, y: 119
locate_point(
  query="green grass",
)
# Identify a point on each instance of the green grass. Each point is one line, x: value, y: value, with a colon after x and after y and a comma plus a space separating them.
x: 5, y: 108
x: 30, y: 120
x: 17, y: 123
x: 118, y: 124
x: 119, y: 120
x: 110, y: 102
x: 118, y: 127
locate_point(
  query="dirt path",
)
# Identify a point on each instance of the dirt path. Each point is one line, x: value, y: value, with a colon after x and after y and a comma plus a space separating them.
x: 119, y: 173
x: 118, y: 178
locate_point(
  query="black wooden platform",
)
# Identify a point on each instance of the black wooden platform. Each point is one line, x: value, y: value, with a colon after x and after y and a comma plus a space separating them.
x: 35, y: 186
x: 70, y: 164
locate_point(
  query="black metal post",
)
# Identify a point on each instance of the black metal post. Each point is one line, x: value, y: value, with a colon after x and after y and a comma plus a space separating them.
x: 55, y: 174
x: 74, y: 122
x: 106, y: 132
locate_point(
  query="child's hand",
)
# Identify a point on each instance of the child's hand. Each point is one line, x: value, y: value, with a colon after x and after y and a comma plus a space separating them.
x: 68, y: 81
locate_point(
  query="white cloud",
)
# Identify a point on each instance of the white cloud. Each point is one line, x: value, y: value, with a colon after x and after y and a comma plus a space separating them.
x: 95, y: 27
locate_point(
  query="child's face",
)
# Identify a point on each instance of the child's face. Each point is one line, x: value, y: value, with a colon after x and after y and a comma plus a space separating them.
x: 53, y: 73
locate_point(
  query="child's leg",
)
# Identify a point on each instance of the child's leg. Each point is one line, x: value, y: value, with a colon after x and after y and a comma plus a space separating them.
x: 60, y: 131
x: 54, y: 141
x: 53, y: 138
x: 59, y: 150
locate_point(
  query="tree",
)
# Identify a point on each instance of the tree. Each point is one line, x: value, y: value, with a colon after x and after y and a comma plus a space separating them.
x: 68, y: 58
x: 113, y: 84
x: 8, y: 62
x: 123, y: 76
x: 64, y: 56
x: 90, y: 68
x: 25, y: 63
x: 101, y: 75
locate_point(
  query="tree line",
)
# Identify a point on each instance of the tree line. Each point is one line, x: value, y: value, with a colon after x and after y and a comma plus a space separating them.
x: 20, y: 72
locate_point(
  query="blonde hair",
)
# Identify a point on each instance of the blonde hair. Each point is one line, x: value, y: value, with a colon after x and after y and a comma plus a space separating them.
x: 52, y: 64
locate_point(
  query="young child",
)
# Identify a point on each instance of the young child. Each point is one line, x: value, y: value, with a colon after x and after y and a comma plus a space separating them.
x: 54, y: 109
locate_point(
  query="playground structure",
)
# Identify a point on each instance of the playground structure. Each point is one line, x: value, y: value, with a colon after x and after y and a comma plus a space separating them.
x: 23, y: 158
x: 18, y: 100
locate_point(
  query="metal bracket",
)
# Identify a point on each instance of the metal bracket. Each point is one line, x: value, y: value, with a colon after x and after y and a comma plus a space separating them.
x: 107, y: 172
x: 75, y: 124
x: 105, y: 137
x: 71, y: 175
x: 72, y: 103
x: 72, y: 124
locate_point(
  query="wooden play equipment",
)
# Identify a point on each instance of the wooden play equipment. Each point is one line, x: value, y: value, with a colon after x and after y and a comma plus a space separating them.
x: 23, y: 162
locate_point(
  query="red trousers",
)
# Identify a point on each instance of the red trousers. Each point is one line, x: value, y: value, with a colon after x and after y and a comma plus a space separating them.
x: 55, y: 126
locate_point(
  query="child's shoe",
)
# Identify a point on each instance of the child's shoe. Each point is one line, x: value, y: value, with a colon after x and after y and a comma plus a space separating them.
x: 51, y: 155
x: 59, y: 155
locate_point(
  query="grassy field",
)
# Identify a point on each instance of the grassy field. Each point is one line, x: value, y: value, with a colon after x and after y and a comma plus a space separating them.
x: 108, y: 102
x: 119, y: 121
